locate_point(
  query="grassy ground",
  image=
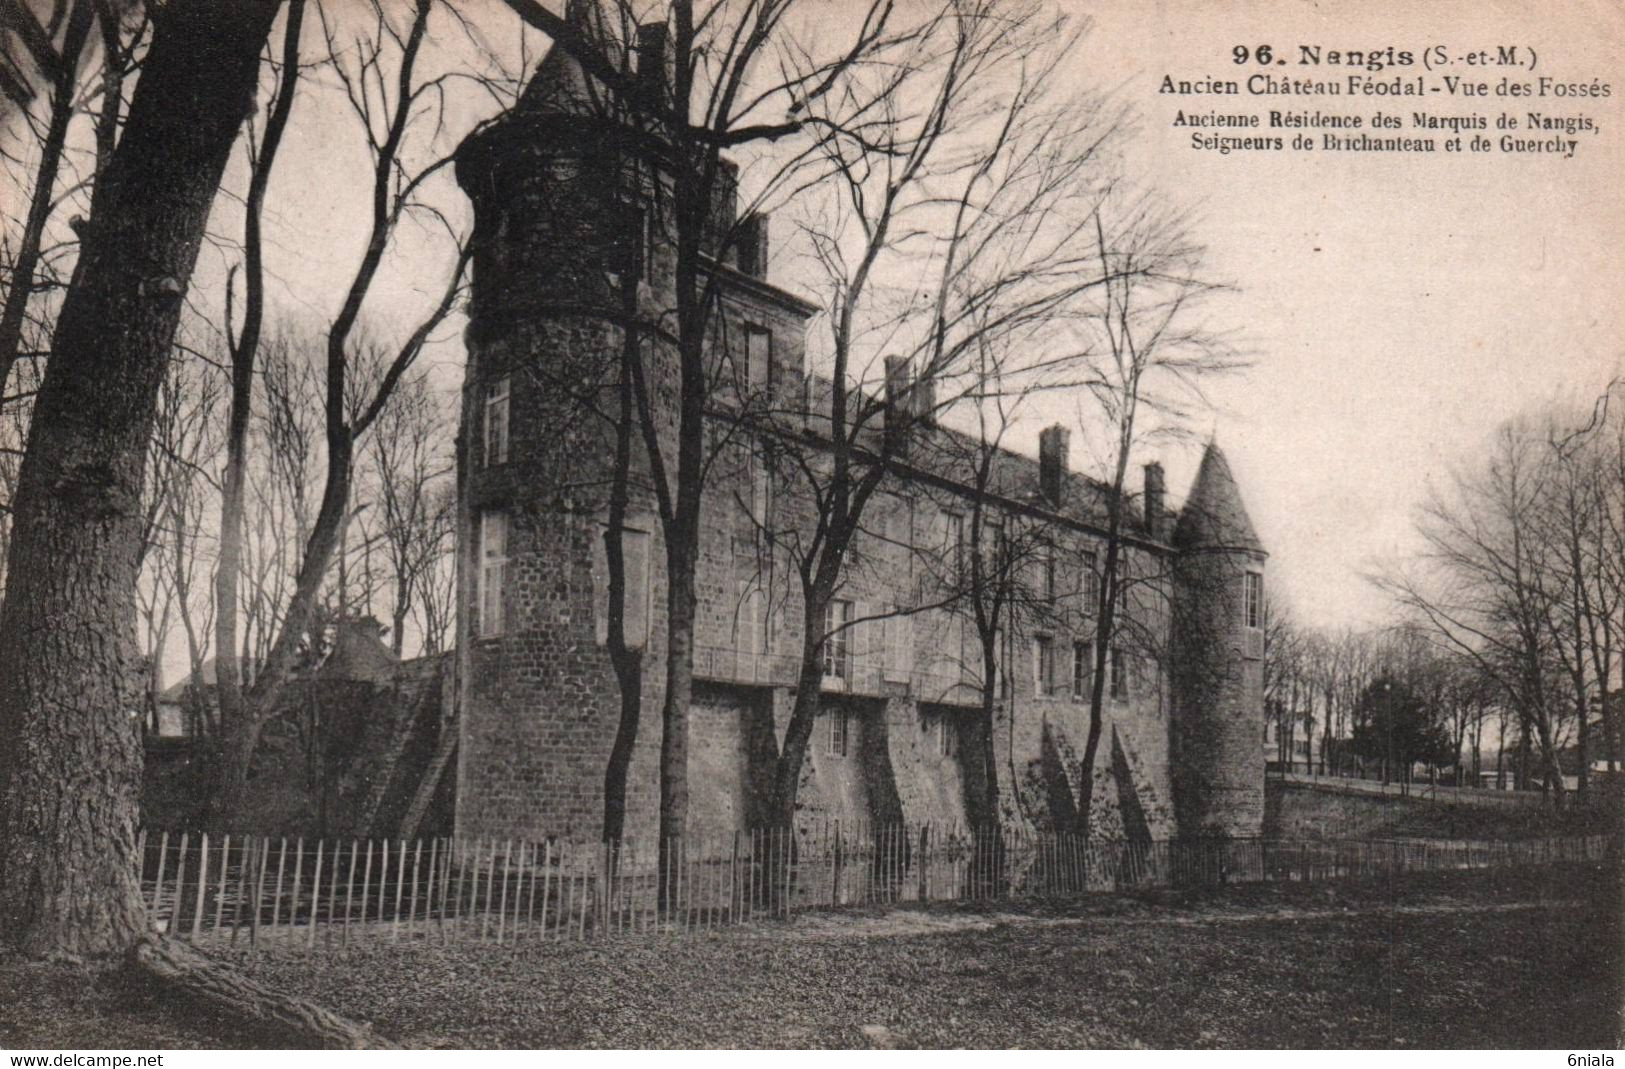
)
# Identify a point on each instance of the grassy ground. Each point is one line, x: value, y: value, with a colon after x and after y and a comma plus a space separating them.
x: 1440, y: 960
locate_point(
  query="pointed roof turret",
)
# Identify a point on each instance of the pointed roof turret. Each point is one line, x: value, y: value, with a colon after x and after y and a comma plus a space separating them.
x: 1213, y: 516
x: 560, y: 86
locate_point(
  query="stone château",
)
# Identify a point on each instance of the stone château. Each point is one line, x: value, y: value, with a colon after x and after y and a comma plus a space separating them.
x: 569, y: 248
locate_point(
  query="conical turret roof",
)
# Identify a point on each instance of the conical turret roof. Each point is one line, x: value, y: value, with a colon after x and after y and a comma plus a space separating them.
x: 560, y: 86
x: 1213, y: 516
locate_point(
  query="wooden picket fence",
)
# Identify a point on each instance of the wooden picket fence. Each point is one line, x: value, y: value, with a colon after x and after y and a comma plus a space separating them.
x: 322, y: 893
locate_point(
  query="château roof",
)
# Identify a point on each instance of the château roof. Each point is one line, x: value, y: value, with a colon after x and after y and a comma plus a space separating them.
x: 1213, y: 516
x: 560, y: 86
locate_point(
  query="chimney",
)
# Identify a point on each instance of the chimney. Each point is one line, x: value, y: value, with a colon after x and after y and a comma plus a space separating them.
x: 753, y: 247
x: 1052, y: 448
x: 924, y: 397
x: 1154, y: 487
x: 652, y: 76
x: 897, y: 416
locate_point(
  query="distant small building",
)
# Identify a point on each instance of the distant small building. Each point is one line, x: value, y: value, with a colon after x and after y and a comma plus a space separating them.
x: 359, y: 746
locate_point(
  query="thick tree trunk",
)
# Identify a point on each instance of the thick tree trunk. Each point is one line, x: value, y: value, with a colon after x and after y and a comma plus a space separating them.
x: 71, y: 761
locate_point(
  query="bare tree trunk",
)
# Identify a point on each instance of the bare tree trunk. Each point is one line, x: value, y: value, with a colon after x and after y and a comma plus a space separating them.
x: 39, y: 208
x: 244, y: 350
x: 627, y: 662
x: 67, y: 644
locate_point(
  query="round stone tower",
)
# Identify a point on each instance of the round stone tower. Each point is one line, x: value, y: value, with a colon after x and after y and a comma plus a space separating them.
x: 561, y: 244
x: 1218, y: 664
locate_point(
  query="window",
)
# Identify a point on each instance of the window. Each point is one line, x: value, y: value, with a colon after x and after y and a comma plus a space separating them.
x: 1044, y: 665
x: 635, y: 553
x: 838, y: 734
x: 899, y: 647
x: 954, y: 545
x: 492, y: 576
x: 1049, y: 571
x: 969, y: 642
x: 750, y: 627
x: 1091, y: 583
x: 496, y: 421
x: 1120, y: 674
x: 1081, y: 658
x: 837, y: 640
x: 940, y: 733
x: 760, y: 493
x: 996, y: 549
x: 758, y: 357
x: 1253, y: 599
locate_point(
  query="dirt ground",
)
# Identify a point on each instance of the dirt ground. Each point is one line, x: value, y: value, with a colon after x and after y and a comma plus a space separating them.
x: 1520, y: 959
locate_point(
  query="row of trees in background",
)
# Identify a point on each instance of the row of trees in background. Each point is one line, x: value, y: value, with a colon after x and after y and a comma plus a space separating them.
x: 1515, y: 616
x: 265, y: 420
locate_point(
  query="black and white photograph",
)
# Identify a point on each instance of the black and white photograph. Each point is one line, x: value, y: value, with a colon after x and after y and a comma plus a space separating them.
x: 811, y: 524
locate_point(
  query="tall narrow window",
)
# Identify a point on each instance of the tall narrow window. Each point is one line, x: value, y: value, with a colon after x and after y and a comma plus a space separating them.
x: 496, y: 421
x: 837, y: 641
x: 947, y: 737
x: 635, y: 551
x: 1049, y: 571
x: 899, y: 647
x: 751, y: 626
x: 760, y: 492
x: 1091, y: 583
x: 1080, y: 671
x: 1253, y: 598
x: 954, y: 548
x: 493, y: 572
x: 1044, y: 665
x: 838, y: 733
x: 758, y: 357
x: 1120, y: 674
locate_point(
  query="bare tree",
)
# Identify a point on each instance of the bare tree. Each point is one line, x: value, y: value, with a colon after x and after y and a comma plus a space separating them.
x: 1482, y: 583
x: 66, y: 641
x: 1152, y: 357
x: 408, y: 474
x: 387, y: 103
x: 730, y: 81
x: 969, y: 165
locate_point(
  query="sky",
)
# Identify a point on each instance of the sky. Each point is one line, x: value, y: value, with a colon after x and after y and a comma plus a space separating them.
x: 1396, y: 307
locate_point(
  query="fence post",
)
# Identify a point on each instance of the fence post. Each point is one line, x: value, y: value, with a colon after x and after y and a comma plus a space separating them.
x: 141, y: 864
x: 276, y: 903
x: 260, y: 861
x: 315, y: 896
x: 349, y: 887
x: 502, y: 908
x: 400, y: 881
x: 174, y: 925
x: 202, y: 884
x: 158, y: 887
